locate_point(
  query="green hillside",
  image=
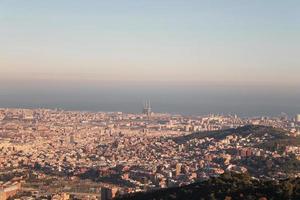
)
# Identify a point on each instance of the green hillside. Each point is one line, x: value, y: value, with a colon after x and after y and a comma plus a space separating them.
x: 229, y: 186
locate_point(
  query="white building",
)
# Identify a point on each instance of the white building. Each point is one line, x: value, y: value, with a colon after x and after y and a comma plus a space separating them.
x: 298, y: 118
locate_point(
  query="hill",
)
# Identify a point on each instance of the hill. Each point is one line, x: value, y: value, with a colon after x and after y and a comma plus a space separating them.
x: 244, y: 131
x: 229, y: 186
x: 277, y: 139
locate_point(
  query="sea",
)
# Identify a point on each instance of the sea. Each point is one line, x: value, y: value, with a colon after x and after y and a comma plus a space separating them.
x: 245, y: 101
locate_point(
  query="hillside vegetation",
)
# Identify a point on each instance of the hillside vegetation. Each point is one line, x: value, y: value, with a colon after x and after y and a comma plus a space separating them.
x: 229, y: 186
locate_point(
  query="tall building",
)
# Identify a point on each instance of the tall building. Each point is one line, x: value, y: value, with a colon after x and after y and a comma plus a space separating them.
x: 72, y: 138
x: 178, y: 169
x: 298, y: 118
x: 108, y: 193
x: 147, y: 108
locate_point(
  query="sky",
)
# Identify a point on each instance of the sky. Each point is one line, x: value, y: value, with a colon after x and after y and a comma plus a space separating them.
x: 140, y: 40
x: 64, y: 45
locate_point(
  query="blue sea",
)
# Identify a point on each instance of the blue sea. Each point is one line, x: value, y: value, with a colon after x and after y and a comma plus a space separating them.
x: 177, y: 99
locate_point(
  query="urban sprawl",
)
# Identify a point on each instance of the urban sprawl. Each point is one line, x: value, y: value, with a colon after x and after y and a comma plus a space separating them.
x: 57, y: 154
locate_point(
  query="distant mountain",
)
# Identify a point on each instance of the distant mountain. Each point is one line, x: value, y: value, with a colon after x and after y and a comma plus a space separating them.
x: 229, y: 186
x: 277, y: 138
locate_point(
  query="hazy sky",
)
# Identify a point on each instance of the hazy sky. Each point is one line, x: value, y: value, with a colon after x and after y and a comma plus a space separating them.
x: 188, y: 41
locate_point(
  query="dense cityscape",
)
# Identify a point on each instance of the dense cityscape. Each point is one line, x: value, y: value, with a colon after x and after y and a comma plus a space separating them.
x: 57, y: 154
x: 149, y: 100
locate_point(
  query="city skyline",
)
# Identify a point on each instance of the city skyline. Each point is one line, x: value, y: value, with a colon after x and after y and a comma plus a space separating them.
x: 73, y: 155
